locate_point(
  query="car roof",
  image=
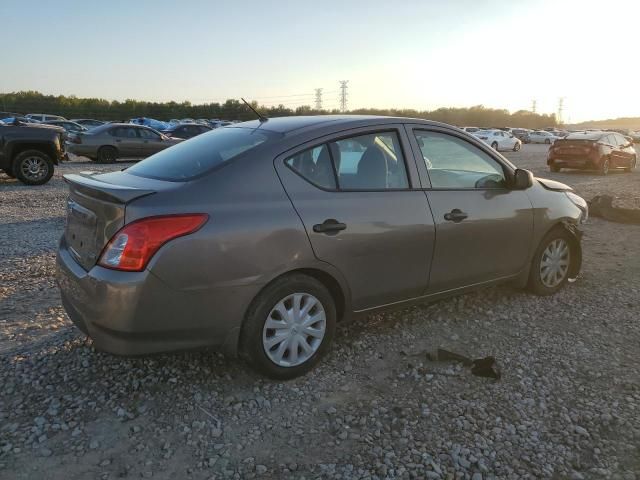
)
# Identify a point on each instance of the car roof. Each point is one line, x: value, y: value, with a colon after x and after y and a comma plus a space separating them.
x: 585, y: 136
x: 286, y: 125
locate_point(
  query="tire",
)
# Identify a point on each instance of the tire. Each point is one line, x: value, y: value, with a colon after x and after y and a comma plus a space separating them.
x: 554, y: 168
x: 631, y: 166
x: 33, y: 167
x: 545, y: 282
x: 107, y: 155
x: 547, y: 141
x: 494, y: 145
x: 604, y: 167
x: 517, y: 146
x: 9, y: 173
x: 256, y: 336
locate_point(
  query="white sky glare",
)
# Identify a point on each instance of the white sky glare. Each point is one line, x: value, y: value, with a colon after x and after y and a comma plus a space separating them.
x: 408, y: 54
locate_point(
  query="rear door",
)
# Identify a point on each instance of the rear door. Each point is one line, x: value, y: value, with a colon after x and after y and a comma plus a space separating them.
x: 355, y: 195
x: 483, y: 229
x: 126, y: 141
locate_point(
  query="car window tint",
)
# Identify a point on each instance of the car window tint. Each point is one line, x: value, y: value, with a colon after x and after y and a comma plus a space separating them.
x: 195, y: 157
x: 454, y: 163
x: 370, y: 162
x: 315, y: 166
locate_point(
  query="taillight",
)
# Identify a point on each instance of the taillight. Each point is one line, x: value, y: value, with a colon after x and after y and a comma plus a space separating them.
x: 135, y: 244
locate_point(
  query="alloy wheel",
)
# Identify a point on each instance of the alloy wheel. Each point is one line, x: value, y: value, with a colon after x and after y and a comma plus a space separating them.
x: 554, y: 263
x: 294, y: 329
x: 34, y: 168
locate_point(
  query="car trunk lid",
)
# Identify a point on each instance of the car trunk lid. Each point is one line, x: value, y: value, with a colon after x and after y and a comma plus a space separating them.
x: 96, y: 210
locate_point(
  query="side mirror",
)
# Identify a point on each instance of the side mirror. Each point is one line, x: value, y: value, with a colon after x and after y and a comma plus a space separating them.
x: 522, y: 179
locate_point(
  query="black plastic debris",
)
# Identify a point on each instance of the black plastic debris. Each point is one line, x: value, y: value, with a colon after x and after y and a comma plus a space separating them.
x: 481, y: 367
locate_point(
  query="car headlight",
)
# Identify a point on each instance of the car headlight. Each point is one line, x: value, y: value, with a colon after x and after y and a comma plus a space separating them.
x: 581, y: 203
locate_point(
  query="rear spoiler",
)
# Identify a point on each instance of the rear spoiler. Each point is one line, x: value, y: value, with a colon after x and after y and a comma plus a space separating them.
x: 85, y: 183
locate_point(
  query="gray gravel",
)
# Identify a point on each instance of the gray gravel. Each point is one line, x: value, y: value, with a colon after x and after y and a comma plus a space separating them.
x: 567, y: 406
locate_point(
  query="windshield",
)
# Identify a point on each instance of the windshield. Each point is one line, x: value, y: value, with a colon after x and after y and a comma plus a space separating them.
x: 194, y: 157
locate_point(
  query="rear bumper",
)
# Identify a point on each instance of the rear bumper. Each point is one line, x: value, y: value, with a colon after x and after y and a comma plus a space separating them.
x: 136, y: 313
x: 573, y: 161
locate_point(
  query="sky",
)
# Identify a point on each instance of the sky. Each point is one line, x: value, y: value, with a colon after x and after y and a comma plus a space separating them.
x: 421, y: 54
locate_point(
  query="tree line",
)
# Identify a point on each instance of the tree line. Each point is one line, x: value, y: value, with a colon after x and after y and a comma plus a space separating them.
x: 233, y: 109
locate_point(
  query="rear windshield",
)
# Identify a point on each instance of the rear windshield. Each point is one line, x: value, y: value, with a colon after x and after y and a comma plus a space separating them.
x: 200, y: 154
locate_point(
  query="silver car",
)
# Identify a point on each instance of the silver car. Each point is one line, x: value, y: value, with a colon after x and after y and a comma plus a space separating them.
x: 106, y: 143
x: 258, y: 238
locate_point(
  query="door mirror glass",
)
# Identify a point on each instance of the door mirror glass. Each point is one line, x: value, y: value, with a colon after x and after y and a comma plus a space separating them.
x: 522, y: 179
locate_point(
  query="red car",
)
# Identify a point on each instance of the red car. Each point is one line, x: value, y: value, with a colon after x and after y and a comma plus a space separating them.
x: 600, y: 151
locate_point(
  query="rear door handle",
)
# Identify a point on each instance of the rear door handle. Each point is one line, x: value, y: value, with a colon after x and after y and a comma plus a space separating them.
x: 456, y: 215
x: 329, y: 226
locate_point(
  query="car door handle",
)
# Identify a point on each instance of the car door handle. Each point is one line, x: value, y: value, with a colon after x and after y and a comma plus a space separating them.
x: 456, y: 215
x: 331, y: 225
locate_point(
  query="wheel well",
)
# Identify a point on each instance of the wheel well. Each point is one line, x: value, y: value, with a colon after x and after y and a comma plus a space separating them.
x: 331, y: 284
x: 44, y: 148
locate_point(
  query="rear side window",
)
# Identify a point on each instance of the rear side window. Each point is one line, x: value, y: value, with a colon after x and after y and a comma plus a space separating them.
x: 365, y: 162
x: 195, y: 157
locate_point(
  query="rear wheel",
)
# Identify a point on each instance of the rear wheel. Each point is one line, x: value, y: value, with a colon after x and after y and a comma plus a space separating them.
x: 33, y: 167
x: 494, y: 145
x: 289, y: 327
x: 516, y: 147
x: 107, y: 155
x: 551, y: 263
x: 554, y: 168
x: 547, y: 141
x: 604, y: 167
x: 9, y: 173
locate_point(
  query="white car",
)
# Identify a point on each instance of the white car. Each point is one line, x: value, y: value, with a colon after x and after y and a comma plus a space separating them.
x: 470, y: 129
x: 540, y: 136
x: 41, y: 117
x: 499, y: 140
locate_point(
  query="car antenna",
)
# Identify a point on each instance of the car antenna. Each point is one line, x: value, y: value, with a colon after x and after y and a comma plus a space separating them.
x: 261, y: 117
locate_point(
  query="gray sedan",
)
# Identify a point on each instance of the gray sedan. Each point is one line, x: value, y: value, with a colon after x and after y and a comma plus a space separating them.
x: 258, y: 238
x: 111, y: 141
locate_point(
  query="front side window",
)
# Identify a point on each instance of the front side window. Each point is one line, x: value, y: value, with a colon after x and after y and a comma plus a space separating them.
x: 148, y: 134
x: 454, y: 163
x: 364, y: 162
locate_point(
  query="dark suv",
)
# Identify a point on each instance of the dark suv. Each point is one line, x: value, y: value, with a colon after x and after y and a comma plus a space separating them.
x: 30, y: 151
x: 600, y: 151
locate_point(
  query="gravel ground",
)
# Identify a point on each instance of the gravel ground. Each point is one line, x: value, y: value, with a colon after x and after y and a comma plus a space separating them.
x: 567, y: 406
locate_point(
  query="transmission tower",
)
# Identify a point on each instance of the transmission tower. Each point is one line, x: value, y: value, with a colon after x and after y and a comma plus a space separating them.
x: 343, y: 95
x: 318, y: 99
x: 560, y: 110
x: 534, y: 104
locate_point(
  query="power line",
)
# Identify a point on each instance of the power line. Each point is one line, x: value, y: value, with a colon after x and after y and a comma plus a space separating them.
x: 343, y: 95
x: 560, y: 110
x: 534, y: 104
x: 318, y: 99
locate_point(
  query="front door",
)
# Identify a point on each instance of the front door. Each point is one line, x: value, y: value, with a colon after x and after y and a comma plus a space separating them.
x: 150, y: 142
x: 354, y: 197
x: 483, y: 229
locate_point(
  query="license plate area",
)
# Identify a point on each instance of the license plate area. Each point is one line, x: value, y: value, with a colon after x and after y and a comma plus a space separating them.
x: 80, y: 232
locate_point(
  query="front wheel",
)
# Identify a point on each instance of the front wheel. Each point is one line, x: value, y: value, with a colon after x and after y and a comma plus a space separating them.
x: 494, y: 145
x: 551, y: 263
x: 554, y: 168
x: 289, y: 327
x: 604, y: 167
x: 516, y: 147
x: 547, y: 141
x: 9, y: 173
x: 33, y: 167
x: 631, y: 166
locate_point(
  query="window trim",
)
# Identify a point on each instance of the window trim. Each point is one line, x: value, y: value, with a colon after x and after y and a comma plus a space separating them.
x: 344, y: 136
x: 507, y: 170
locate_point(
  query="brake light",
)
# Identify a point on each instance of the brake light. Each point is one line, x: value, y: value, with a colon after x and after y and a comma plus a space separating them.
x: 135, y: 244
